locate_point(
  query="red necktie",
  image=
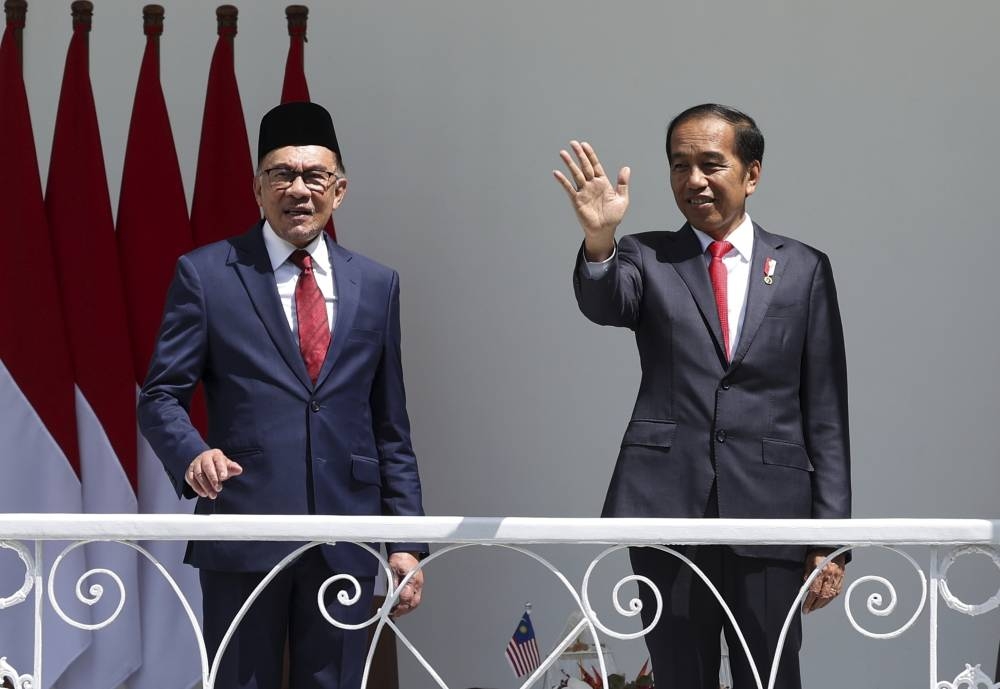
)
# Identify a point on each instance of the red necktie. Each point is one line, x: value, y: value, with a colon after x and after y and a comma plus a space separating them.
x: 310, y: 312
x: 720, y: 281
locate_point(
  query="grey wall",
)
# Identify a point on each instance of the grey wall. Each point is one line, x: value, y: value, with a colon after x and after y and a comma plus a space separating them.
x: 882, y: 150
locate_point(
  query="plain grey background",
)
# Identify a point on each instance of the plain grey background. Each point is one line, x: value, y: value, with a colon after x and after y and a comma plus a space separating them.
x: 880, y: 120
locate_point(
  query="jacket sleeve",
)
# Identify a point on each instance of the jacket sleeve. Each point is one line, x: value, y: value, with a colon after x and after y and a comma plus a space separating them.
x: 823, y: 397
x: 174, y: 371
x: 401, y: 493
x: 615, y: 297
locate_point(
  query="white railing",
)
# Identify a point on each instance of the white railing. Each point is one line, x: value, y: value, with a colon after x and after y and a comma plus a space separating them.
x: 948, y: 541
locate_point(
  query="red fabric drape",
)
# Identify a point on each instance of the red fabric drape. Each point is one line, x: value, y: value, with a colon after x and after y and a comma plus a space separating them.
x: 223, y: 202
x: 294, y: 88
x: 153, y: 225
x: 33, y: 345
x: 79, y: 213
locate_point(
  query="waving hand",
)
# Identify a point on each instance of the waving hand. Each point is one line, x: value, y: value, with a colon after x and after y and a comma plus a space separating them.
x: 599, y: 205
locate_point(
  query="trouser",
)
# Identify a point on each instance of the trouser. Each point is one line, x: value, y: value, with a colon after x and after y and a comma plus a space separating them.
x: 322, y: 656
x: 684, y: 646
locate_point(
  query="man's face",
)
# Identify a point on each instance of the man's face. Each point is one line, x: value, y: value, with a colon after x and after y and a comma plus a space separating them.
x: 709, y: 181
x: 298, y: 211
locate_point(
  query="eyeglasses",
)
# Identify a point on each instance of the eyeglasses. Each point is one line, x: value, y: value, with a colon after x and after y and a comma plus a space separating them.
x: 281, y: 178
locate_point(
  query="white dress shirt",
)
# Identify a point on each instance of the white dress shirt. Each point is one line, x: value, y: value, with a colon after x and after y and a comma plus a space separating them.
x: 737, y: 263
x: 286, y: 274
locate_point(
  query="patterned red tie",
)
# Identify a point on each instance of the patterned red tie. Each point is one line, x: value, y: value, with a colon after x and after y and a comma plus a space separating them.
x: 310, y: 312
x: 720, y: 281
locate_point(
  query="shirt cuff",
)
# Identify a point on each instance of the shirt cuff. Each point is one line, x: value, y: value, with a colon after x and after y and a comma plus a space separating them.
x: 595, y: 271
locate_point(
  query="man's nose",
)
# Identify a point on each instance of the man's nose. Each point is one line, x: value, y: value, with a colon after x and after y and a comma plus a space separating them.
x: 298, y: 188
x: 696, y: 179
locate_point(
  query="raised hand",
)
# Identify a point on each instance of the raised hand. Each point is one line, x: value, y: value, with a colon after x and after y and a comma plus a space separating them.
x: 599, y: 205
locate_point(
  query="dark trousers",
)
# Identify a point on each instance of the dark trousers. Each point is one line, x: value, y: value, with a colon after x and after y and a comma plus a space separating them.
x: 684, y: 646
x: 322, y: 656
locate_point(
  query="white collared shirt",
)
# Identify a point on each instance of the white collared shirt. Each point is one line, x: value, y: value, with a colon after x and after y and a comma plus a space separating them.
x: 737, y: 263
x: 286, y: 274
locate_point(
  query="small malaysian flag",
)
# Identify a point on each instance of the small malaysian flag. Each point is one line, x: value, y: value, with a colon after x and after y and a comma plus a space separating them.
x: 522, y: 649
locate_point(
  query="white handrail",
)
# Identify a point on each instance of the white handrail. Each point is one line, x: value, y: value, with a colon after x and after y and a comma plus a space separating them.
x: 499, y: 530
x: 952, y: 538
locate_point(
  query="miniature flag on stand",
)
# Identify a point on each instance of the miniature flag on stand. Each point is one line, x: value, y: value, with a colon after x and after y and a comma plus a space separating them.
x: 522, y: 649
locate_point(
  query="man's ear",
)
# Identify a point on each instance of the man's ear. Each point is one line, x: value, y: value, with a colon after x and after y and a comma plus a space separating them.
x: 257, y: 189
x: 339, y: 191
x: 752, y: 177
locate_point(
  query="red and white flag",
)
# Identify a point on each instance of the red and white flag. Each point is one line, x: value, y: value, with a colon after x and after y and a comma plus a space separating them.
x: 78, y: 208
x: 40, y: 460
x: 223, y: 203
x: 148, y: 247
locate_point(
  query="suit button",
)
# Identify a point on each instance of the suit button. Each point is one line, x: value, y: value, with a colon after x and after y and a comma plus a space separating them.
x: 314, y: 405
x: 725, y: 383
x: 720, y: 436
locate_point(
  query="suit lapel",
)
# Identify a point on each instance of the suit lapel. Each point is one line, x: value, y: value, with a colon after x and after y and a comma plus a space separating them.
x: 249, y: 257
x: 759, y: 293
x: 347, y: 277
x: 690, y: 265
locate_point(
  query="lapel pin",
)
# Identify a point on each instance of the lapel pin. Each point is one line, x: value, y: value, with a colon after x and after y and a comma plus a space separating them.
x: 769, y: 265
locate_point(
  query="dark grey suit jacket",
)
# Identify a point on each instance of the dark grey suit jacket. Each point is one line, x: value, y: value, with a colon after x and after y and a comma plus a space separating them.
x: 769, y: 428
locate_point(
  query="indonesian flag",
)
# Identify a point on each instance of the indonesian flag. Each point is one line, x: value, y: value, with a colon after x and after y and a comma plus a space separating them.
x: 223, y: 203
x: 39, y: 460
x: 149, y: 244
x: 86, y: 260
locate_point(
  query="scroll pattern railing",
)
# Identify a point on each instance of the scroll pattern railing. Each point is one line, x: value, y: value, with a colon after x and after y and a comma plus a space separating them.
x: 948, y: 541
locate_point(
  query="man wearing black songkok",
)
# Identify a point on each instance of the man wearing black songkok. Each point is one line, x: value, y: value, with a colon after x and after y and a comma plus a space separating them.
x: 297, y: 343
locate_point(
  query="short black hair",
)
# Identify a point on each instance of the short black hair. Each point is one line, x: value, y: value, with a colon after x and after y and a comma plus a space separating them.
x: 749, y: 140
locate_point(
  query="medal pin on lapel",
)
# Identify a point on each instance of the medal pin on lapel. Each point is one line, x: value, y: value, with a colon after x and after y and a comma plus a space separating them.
x: 769, y: 265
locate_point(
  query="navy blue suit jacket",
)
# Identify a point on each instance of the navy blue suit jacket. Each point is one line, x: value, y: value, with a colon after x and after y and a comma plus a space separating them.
x: 770, y: 427
x: 341, y: 446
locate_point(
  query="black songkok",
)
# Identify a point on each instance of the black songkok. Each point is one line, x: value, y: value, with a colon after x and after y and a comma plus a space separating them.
x: 296, y: 124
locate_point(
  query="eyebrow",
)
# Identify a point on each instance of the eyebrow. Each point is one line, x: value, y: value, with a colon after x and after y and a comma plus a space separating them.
x: 713, y: 156
x: 305, y: 168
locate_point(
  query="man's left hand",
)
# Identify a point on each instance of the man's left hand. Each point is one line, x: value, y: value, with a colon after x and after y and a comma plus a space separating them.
x: 409, y: 597
x: 827, y: 584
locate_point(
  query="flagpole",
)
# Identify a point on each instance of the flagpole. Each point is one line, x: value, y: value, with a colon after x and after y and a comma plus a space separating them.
x: 297, y: 16
x: 83, y: 15
x: 17, y: 11
x: 152, y: 24
x: 226, y: 16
